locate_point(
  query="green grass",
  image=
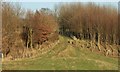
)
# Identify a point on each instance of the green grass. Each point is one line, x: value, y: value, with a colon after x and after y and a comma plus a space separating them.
x: 0, y: 64
x: 73, y: 58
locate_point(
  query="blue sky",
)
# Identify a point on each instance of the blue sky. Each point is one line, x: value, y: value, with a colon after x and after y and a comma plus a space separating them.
x: 37, y: 5
x: 62, y: 0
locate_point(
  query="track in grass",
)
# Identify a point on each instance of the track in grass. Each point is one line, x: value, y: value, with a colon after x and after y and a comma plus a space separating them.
x: 65, y: 57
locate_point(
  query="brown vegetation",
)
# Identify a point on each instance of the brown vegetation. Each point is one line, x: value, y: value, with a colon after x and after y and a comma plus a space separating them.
x: 23, y: 31
x: 99, y: 24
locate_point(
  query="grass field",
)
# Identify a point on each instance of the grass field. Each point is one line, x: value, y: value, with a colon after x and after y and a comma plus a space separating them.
x: 0, y: 64
x: 64, y: 57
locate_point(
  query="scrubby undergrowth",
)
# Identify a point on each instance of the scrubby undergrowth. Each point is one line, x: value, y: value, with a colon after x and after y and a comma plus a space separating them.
x: 66, y: 56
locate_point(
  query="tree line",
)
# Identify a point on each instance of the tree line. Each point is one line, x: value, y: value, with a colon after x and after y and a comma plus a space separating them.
x: 27, y: 29
x: 90, y: 21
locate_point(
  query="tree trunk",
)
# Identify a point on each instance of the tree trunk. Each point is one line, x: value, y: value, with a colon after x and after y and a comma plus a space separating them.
x: 31, y: 38
x: 99, y: 42
x: 92, y: 41
x: 114, y: 39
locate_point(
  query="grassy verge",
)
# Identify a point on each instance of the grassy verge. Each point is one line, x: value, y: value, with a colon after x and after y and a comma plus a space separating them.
x: 65, y: 57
